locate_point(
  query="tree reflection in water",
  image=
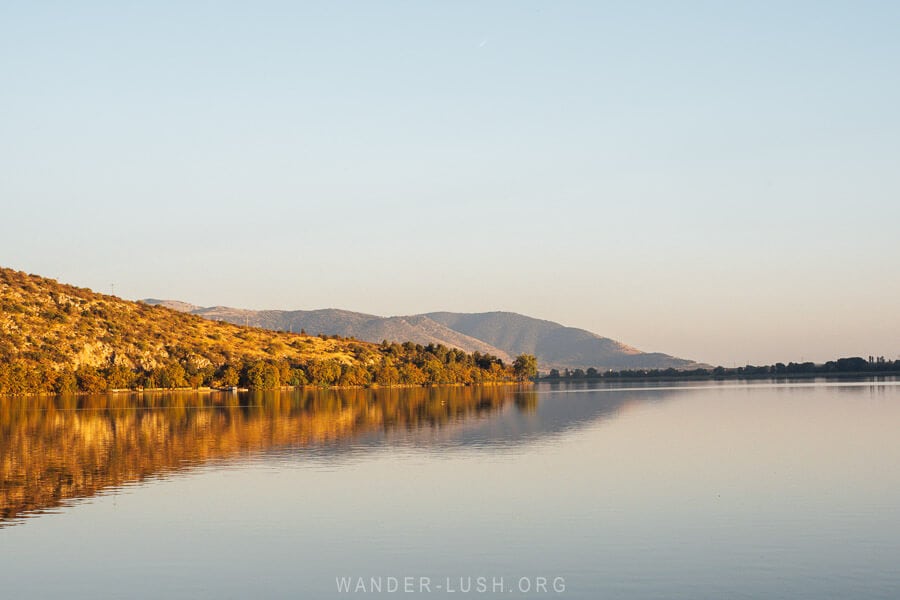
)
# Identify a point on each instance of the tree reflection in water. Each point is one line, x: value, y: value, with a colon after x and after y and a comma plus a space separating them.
x: 57, y: 449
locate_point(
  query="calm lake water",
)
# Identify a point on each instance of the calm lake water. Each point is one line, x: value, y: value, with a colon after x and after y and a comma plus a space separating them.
x: 710, y: 490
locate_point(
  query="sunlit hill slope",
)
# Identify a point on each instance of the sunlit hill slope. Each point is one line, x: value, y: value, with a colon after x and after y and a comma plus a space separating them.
x: 60, y: 338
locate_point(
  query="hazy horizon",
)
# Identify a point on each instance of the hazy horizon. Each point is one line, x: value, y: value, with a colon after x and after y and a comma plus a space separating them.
x: 714, y: 182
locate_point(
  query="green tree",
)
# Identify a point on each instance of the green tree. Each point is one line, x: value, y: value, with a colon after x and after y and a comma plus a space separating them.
x: 119, y: 377
x: 434, y: 371
x: 90, y: 380
x: 387, y: 375
x: 262, y: 376
x: 354, y: 375
x: 66, y: 383
x: 525, y: 366
x: 298, y: 377
x: 411, y: 374
x: 173, y: 376
x: 230, y: 376
x: 324, y: 372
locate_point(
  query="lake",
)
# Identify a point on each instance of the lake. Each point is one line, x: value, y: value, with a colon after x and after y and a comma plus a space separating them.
x: 689, y: 490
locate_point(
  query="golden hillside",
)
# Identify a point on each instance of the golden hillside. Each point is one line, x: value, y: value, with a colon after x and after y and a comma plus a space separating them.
x: 60, y: 338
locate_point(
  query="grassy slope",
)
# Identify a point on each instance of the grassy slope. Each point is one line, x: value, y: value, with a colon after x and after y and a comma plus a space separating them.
x: 48, y: 328
x: 41, y: 319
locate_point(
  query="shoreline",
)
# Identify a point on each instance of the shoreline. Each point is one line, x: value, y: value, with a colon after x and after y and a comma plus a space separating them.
x: 729, y: 377
x: 286, y: 388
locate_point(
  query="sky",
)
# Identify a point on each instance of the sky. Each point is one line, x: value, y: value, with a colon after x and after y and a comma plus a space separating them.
x: 715, y: 180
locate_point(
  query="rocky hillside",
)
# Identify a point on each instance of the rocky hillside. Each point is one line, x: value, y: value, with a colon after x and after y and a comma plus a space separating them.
x: 61, y: 338
x: 503, y: 334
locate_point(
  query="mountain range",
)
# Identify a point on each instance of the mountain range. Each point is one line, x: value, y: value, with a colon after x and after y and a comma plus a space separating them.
x: 503, y: 334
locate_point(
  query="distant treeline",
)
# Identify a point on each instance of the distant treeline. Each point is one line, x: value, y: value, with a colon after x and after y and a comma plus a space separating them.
x: 389, y: 365
x: 850, y: 365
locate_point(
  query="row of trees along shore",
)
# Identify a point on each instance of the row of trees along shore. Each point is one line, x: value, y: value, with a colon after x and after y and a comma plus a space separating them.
x: 385, y: 365
x: 842, y: 366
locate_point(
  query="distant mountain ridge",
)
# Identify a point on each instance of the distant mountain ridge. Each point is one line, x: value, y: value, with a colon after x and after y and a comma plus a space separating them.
x: 503, y: 334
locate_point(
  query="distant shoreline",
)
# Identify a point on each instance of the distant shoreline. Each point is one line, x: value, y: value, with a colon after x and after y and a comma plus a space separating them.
x: 726, y: 377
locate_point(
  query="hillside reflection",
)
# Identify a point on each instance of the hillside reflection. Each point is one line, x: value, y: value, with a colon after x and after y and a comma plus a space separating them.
x: 56, y: 449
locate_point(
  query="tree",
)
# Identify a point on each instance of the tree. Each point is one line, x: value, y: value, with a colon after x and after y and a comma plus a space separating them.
x: 90, y: 380
x: 355, y: 375
x: 172, y: 376
x: 262, y: 376
x: 119, y: 377
x: 411, y: 374
x: 66, y: 383
x: 324, y: 372
x: 230, y: 376
x: 434, y: 371
x: 525, y: 366
x: 387, y: 375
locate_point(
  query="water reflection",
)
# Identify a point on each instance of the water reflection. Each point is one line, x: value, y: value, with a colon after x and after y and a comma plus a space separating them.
x: 53, y: 450
x: 648, y: 492
x: 57, y: 449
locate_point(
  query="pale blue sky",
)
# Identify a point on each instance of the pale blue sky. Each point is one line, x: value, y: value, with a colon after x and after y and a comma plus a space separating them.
x: 710, y: 179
